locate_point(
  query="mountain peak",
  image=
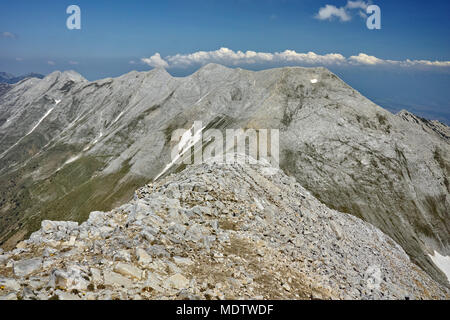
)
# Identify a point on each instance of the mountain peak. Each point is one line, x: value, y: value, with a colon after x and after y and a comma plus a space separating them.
x: 68, y: 74
x: 160, y: 71
x: 213, y: 67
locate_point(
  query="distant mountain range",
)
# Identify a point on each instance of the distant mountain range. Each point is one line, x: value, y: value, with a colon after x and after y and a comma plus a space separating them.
x: 69, y: 146
x: 10, y: 78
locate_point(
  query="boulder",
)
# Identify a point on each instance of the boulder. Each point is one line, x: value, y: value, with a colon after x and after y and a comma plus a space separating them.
x: 143, y: 257
x: 116, y: 280
x: 128, y: 270
x: 177, y: 281
x: 24, y: 268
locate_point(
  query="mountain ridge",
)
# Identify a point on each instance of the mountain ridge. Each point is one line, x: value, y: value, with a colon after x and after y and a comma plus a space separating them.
x: 351, y: 154
x: 12, y: 79
x: 215, y: 231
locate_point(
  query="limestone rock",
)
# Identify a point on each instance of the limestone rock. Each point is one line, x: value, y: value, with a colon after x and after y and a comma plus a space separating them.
x: 143, y: 257
x: 115, y: 279
x: 24, y: 268
x: 292, y: 247
x: 128, y: 270
x: 177, y: 281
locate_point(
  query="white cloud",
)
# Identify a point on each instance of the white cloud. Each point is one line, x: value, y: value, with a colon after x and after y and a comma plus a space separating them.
x: 343, y: 14
x: 132, y: 62
x: 8, y: 35
x: 329, y: 12
x: 73, y: 63
x: 19, y: 59
x: 428, y: 63
x: 290, y: 56
x: 364, y: 59
x: 229, y: 57
x: 50, y: 62
x: 155, y: 61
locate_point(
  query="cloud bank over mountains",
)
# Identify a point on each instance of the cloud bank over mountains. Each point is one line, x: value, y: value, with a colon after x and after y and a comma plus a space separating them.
x: 229, y: 57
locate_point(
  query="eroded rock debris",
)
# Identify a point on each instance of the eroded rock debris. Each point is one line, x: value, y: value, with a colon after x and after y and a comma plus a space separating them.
x: 215, y: 231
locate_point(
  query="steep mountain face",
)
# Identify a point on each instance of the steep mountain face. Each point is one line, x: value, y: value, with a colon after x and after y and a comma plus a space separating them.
x: 11, y: 79
x: 215, y: 231
x: 69, y: 146
x: 4, y: 87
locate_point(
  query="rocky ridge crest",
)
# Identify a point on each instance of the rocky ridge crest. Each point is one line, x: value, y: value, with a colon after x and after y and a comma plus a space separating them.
x: 215, y: 231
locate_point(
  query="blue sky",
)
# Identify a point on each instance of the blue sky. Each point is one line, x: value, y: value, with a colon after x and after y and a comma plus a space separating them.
x: 116, y: 36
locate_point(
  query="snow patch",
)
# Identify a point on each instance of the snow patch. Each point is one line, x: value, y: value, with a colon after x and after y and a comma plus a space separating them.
x: 70, y: 160
x: 314, y: 81
x: 30, y: 132
x: 118, y: 117
x: 442, y: 262
x: 187, y: 141
x: 90, y: 145
x: 200, y: 100
x: 42, y: 119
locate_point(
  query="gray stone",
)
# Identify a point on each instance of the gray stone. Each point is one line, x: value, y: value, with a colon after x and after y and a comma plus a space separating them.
x: 115, y: 279
x: 128, y: 270
x: 73, y: 278
x: 143, y: 257
x: 122, y: 255
x: 96, y: 275
x: 9, y: 297
x: 62, y: 295
x: 177, y: 281
x: 183, y: 261
x: 24, y: 268
x: 9, y: 284
x: 4, y: 259
x: 158, y: 251
x: 96, y: 218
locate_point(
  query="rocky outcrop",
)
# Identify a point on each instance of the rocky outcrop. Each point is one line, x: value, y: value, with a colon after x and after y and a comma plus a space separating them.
x: 430, y: 126
x: 215, y: 231
x: 69, y: 146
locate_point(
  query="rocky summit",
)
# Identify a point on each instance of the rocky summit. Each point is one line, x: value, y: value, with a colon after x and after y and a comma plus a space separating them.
x: 215, y: 231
